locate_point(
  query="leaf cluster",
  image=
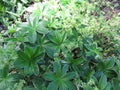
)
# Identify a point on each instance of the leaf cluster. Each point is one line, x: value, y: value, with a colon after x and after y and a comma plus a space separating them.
x: 62, y: 46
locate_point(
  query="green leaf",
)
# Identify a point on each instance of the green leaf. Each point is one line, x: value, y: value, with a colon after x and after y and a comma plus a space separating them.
x: 110, y: 63
x: 31, y: 68
x: 50, y: 51
x: 118, y: 63
x: 57, y: 67
x: 35, y: 69
x: 22, y: 60
x: 37, y: 82
x: 49, y: 76
x: 78, y: 61
x: 102, y: 82
x: 108, y: 86
x: 38, y: 52
x: 28, y: 51
x: 69, y: 75
x: 52, y: 86
x: 70, y: 85
x: 57, y: 37
x: 116, y: 85
x: 6, y: 80
x: 35, y: 22
x: 42, y: 30
x: 28, y: 60
x: 32, y: 36
x: 65, y: 69
x: 43, y: 27
x: 4, y: 72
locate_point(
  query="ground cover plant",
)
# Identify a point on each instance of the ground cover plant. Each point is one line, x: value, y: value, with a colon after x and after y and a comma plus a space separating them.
x: 62, y: 45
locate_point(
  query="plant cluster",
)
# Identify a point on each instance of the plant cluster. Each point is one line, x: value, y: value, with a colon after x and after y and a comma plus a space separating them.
x: 63, y: 45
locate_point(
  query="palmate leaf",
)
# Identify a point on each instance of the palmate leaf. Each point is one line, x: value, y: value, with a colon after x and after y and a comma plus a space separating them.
x: 29, y: 29
x: 6, y: 80
x: 51, y: 50
x: 29, y: 51
x: 43, y: 27
x: 28, y: 59
x: 60, y: 78
x: 56, y: 43
x: 57, y: 37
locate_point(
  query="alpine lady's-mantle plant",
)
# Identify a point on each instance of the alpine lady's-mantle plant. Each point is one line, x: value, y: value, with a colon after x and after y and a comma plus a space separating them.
x: 63, y: 46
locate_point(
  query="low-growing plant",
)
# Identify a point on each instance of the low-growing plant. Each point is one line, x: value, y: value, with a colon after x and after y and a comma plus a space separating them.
x: 63, y: 45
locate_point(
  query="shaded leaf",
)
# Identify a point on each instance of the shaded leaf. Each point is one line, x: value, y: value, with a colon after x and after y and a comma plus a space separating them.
x: 70, y: 75
x: 52, y: 86
x: 103, y: 82
x: 49, y: 76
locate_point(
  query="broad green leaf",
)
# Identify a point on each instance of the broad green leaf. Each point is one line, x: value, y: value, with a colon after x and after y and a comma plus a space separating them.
x: 63, y: 86
x: 103, y: 82
x: 42, y: 30
x: 30, y: 21
x: 49, y: 76
x: 31, y: 68
x: 4, y: 72
x: 89, y: 74
x: 57, y: 67
x: 32, y: 36
x: 37, y: 82
x: 110, y: 63
x: 35, y: 22
x: 116, y: 85
x: 108, y: 86
x: 50, y: 50
x: 78, y: 61
x: 38, y: 51
x: 65, y: 69
x: 35, y: 69
x: 6, y: 80
x: 70, y: 85
x: 69, y: 75
x: 118, y: 63
x: 22, y: 59
x: 57, y: 37
x: 28, y: 61
x: 29, y: 51
x: 52, y: 86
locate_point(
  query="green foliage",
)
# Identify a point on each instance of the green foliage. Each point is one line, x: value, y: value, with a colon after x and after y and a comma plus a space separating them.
x: 63, y: 45
x: 7, y: 55
x: 59, y: 78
